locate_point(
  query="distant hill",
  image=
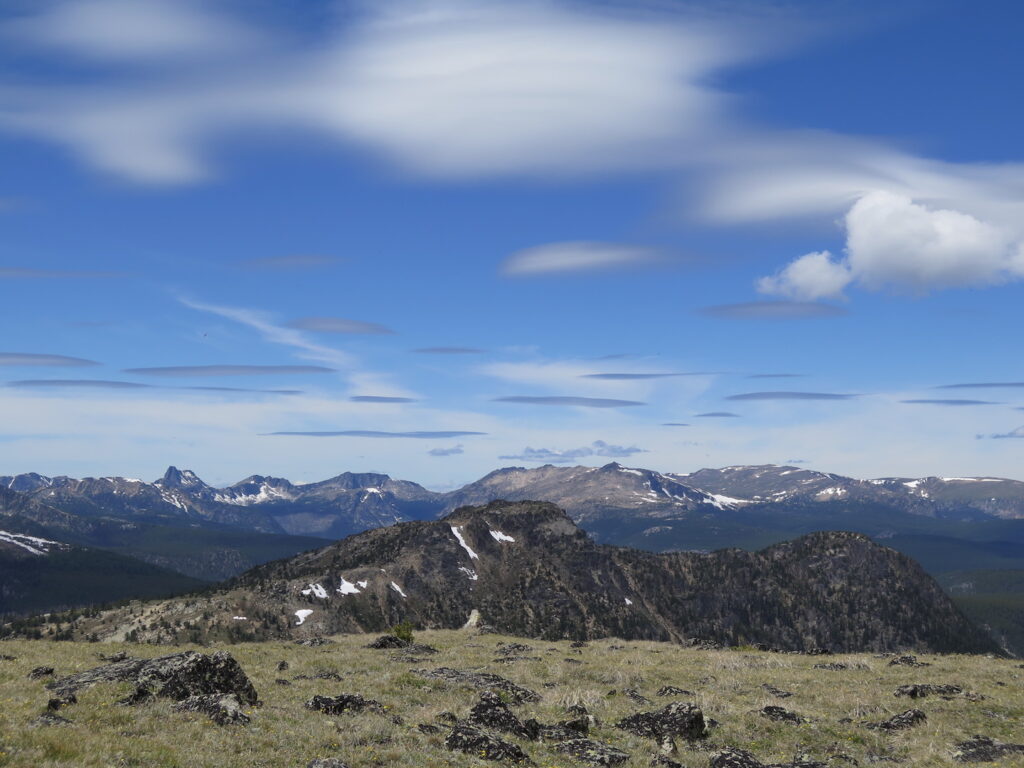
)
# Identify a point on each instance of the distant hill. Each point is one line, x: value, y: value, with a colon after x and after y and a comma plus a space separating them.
x: 527, y: 569
x: 38, y: 574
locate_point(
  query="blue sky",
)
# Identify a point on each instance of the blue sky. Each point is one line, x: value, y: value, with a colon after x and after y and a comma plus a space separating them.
x: 478, y: 235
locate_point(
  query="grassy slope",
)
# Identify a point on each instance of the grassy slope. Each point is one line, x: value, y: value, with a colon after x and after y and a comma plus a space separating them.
x: 283, y: 734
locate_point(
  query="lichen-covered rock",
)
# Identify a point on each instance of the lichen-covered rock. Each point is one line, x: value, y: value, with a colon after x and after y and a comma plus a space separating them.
x: 345, y: 702
x: 492, y: 712
x: 388, y: 641
x: 920, y: 690
x: 672, y: 690
x: 592, y: 752
x: 731, y: 757
x: 903, y: 720
x: 907, y: 661
x: 981, y: 749
x: 636, y: 696
x: 314, y: 642
x: 326, y: 762
x: 222, y: 708
x: 176, y: 677
x: 50, y: 718
x: 479, y: 743
x: 675, y: 719
x: 481, y: 681
x: 776, y: 692
x: 40, y: 672
x: 781, y: 715
x: 513, y: 649
x: 59, y: 702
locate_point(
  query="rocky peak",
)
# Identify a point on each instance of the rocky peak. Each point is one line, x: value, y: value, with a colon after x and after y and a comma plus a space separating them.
x: 180, y: 478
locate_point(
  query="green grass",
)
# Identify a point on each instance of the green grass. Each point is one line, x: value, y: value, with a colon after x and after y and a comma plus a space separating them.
x: 283, y: 734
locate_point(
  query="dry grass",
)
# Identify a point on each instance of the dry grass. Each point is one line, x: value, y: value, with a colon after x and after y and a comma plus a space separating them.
x: 726, y: 684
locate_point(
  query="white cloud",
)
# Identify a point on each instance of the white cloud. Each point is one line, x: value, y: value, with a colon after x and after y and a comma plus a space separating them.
x: 810, y: 277
x: 439, y: 88
x: 576, y: 257
x: 891, y: 241
x: 129, y: 30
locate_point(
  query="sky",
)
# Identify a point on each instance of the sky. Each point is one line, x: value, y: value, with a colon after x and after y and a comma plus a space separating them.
x: 435, y: 238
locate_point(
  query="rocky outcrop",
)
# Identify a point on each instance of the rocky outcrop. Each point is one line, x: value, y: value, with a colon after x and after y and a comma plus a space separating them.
x: 902, y: 721
x: 346, y: 702
x: 592, y: 752
x: 481, y: 681
x: 676, y: 719
x: 177, y: 677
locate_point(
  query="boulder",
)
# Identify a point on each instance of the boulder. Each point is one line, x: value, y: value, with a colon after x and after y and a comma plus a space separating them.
x: 40, y: 672
x: 176, y: 677
x: 907, y: 661
x: 675, y: 719
x: 479, y: 743
x: 388, y: 641
x: 731, y: 757
x: 222, y: 708
x: 58, y: 702
x: 672, y: 690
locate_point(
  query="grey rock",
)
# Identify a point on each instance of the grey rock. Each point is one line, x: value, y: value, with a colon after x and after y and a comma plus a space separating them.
x: 492, y: 712
x: 49, y: 718
x: 776, y: 692
x: 40, y: 672
x: 481, y: 681
x: 907, y: 661
x: 902, y: 721
x: 781, y: 715
x: 672, y: 690
x: 326, y: 762
x: 345, y: 702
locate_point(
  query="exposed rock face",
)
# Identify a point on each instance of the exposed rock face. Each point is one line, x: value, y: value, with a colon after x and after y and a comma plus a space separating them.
x: 529, y: 571
x: 222, y: 708
x: 176, y: 677
x: 477, y: 742
x: 675, y: 719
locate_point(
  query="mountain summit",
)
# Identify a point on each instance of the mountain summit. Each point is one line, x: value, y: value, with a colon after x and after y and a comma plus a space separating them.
x: 528, y: 570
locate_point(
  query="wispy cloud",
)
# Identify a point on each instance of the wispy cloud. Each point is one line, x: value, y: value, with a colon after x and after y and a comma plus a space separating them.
x: 440, y: 435
x: 578, y: 257
x: 1017, y: 433
x: 380, y: 399
x: 985, y: 385
x: 563, y: 400
x: 110, y: 384
x: 777, y: 376
x: 949, y: 402
x: 448, y: 351
x: 641, y: 376
x: 440, y: 452
x: 791, y: 396
x: 274, y: 333
x: 337, y: 325
x: 716, y: 415
x: 285, y: 263
x: 31, y: 273
x: 774, y: 310
x: 229, y: 370
x: 597, y: 448
x: 36, y: 359
x: 675, y: 424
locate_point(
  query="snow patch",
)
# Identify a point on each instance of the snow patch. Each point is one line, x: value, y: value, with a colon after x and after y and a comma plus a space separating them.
x: 240, y: 618
x: 398, y: 589
x: 347, y: 587
x: 317, y: 590
x: 32, y: 544
x: 470, y: 573
x: 362, y: 584
x: 499, y: 536
x: 302, y: 615
x: 724, y: 502
x: 458, y: 535
x: 628, y: 601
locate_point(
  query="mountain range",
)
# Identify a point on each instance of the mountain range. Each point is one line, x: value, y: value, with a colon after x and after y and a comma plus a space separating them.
x: 962, y: 530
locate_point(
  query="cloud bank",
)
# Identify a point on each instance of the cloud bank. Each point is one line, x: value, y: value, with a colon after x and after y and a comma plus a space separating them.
x: 597, y: 448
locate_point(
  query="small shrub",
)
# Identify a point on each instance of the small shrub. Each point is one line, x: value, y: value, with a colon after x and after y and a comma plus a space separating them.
x: 403, y: 631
